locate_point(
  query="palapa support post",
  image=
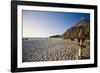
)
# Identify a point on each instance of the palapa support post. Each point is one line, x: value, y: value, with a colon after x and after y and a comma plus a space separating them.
x: 80, y: 49
x: 81, y: 37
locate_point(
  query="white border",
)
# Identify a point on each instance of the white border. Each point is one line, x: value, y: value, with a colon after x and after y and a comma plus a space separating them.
x: 53, y: 63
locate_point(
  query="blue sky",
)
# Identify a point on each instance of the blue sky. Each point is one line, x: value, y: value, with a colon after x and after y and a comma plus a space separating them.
x: 45, y: 24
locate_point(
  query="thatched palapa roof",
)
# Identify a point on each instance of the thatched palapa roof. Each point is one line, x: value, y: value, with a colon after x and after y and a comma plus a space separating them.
x: 80, y: 30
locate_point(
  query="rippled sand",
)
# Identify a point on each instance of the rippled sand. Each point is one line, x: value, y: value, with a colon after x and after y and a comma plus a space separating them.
x: 35, y: 50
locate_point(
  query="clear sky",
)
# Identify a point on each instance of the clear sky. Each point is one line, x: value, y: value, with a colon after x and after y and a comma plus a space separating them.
x: 45, y: 24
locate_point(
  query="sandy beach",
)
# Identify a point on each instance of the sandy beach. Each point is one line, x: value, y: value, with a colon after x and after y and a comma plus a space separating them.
x: 48, y: 49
